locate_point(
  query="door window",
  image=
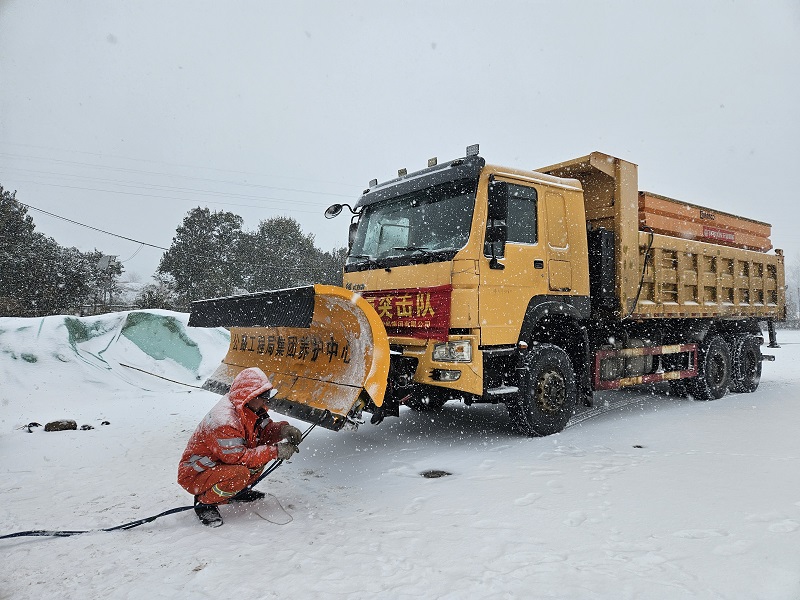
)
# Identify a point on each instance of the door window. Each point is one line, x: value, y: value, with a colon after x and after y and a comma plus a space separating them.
x: 521, y: 220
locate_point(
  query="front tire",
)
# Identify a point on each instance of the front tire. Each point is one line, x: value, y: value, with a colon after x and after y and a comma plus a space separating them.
x: 548, y: 392
x: 714, y: 370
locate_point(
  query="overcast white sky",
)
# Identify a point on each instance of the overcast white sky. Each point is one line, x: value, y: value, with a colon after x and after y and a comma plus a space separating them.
x: 124, y: 115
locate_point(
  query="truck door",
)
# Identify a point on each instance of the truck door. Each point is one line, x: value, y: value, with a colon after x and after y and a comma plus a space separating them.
x: 559, y: 269
x: 509, y: 282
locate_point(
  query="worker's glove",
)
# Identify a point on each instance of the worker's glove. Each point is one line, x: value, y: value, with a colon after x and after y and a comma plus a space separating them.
x: 291, y: 434
x: 286, y: 450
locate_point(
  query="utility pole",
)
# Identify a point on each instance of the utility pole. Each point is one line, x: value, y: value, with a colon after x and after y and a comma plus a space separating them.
x: 107, y: 263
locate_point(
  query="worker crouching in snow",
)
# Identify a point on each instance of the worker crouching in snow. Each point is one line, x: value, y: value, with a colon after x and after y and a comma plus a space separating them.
x: 231, y: 445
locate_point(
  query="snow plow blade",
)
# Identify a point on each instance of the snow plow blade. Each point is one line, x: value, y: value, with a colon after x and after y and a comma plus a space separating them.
x: 324, y: 348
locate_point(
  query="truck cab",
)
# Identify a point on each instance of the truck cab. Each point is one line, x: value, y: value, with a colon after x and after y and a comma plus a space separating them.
x: 458, y: 260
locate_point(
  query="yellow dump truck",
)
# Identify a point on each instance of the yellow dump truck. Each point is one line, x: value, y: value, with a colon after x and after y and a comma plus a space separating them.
x: 531, y: 288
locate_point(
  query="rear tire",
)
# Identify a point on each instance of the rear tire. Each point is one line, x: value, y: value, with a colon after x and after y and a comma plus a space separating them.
x: 746, y: 361
x: 548, y: 392
x: 714, y: 370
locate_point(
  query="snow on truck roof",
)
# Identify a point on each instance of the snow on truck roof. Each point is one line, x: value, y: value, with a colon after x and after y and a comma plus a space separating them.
x: 460, y: 168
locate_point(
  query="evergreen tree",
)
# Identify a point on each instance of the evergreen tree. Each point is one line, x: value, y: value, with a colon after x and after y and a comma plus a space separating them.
x: 332, y: 266
x: 160, y: 294
x: 279, y: 255
x: 16, y: 234
x: 37, y: 276
x: 203, y: 258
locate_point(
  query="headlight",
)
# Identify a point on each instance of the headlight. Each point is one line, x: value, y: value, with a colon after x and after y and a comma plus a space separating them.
x: 460, y: 351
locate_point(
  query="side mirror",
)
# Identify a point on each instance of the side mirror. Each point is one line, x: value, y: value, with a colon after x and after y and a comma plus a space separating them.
x: 334, y: 210
x: 497, y: 234
x: 496, y: 228
x: 495, y: 245
x: 351, y: 234
x: 498, y: 201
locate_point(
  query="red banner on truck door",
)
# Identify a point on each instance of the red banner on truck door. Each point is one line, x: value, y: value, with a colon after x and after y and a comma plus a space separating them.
x: 414, y: 312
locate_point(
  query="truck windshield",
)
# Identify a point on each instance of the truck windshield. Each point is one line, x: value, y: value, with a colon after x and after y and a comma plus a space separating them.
x: 427, y: 225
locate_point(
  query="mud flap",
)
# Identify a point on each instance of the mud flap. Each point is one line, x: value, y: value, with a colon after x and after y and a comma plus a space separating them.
x: 324, y: 348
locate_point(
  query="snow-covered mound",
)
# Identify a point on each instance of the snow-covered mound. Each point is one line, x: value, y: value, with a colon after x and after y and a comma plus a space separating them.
x: 52, y: 362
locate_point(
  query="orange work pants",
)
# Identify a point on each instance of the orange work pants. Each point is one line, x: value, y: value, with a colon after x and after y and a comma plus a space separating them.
x: 217, y: 484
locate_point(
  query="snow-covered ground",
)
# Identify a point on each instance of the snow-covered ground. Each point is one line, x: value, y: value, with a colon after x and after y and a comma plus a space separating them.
x: 657, y: 497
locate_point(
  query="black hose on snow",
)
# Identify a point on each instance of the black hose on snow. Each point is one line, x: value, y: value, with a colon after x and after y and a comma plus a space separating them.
x: 56, y: 533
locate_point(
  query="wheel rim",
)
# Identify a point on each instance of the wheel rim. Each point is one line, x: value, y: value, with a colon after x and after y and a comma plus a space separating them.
x: 551, y: 392
x: 717, y: 371
x: 750, y: 367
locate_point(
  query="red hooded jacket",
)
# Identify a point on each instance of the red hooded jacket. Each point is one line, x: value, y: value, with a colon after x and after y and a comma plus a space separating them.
x: 231, y: 433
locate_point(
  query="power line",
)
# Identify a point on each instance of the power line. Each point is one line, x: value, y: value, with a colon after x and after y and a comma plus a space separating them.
x: 173, y: 175
x: 193, y: 201
x: 157, y: 187
x: 139, y: 249
x: 90, y: 227
x: 104, y: 155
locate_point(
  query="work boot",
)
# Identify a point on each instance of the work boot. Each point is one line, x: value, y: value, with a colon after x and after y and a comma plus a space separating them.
x: 207, y: 513
x: 247, y: 495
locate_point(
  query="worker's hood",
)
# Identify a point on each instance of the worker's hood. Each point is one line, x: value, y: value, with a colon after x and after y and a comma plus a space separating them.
x: 248, y: 384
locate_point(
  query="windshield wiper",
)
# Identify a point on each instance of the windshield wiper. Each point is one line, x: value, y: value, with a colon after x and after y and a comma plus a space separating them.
x: 425, y: 251
x: 371, y: 262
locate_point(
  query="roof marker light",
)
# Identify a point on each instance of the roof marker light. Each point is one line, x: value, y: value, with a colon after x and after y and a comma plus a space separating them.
x: 432, y: 162
x: 402, y: 172
x: 473, y: 150
x: 373, y: 182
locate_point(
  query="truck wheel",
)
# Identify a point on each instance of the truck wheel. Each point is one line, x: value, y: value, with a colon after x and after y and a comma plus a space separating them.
x: 547, y: 392
x: 746, y: 362
x: 714, y: 368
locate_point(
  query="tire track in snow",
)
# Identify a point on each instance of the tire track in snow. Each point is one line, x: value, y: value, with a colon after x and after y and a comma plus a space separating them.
x: 597, y: 411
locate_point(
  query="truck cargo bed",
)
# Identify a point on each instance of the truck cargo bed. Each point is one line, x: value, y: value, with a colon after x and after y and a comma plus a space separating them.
x: 675, y: 259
